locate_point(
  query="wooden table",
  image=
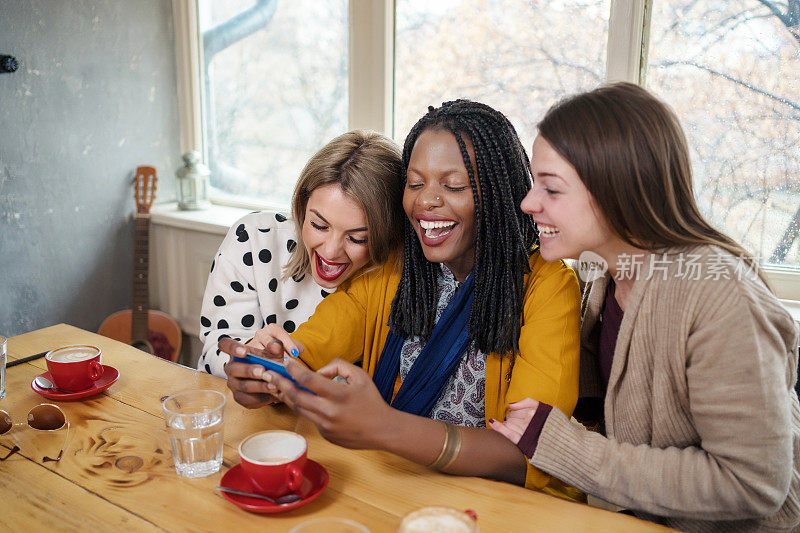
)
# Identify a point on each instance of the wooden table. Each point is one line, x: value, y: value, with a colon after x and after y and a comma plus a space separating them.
x: 117, y: 471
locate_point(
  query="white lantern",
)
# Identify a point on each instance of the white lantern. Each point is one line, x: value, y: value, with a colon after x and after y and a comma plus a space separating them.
x: 192, y: 182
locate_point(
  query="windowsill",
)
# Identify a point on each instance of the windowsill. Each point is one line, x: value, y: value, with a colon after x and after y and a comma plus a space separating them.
x: 215, y: 219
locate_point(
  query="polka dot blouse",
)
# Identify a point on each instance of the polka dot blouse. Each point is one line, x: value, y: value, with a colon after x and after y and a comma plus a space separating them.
x: 244, y: 292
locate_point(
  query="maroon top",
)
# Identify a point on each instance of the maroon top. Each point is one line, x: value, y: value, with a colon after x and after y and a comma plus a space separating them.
x: 527, y: 443
x: 611, y: 319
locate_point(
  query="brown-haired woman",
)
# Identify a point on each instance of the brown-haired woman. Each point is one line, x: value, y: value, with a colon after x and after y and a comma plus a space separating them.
x: 345, y: 218
x: 686, y: 356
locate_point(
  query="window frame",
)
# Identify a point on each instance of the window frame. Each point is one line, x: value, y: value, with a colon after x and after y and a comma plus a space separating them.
x: 371, y: 79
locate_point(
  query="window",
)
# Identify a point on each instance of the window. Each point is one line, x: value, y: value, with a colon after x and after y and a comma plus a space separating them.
x: 518, y: 57
x: 731, y: 70
x: 307, y: 70
x: 275, y: 90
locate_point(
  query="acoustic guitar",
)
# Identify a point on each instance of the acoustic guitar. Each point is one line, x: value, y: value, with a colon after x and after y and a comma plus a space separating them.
x: 149, y: 330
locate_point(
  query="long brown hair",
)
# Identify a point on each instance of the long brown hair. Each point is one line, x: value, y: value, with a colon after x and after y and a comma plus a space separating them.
x: 368, y: 167
x: 631, y: 154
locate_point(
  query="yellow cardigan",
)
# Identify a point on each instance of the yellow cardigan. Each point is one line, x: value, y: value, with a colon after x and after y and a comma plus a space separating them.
x: 351, y: 323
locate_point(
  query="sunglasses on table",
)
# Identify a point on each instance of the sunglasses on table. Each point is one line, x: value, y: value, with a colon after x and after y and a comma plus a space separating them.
x: 43, y: 417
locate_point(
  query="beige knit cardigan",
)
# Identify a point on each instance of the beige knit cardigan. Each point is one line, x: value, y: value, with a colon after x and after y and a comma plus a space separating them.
x: 702, y: 420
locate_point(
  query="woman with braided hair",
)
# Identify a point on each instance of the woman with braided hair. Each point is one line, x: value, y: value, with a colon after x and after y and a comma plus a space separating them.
x: 473, y: 320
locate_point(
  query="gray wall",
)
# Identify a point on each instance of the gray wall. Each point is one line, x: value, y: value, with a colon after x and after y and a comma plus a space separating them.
x: 95, y: 96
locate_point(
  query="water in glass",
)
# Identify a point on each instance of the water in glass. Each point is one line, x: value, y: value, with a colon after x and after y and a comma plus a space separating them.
x: 195, y: 422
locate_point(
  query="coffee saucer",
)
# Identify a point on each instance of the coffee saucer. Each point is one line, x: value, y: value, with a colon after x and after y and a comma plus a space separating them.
x: 109, y: 377
x: 315, y: 479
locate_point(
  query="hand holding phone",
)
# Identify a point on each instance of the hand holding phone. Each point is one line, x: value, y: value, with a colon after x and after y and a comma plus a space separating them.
x: 269, y: 364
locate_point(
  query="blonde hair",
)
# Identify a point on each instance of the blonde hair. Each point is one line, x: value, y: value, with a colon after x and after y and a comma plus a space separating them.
x: 368, y: 167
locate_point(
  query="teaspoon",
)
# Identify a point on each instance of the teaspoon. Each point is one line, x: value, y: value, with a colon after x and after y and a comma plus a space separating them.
x: 44, y: 383
x: 283, y: 500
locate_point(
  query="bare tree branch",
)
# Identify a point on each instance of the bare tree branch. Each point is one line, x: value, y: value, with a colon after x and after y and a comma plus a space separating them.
x: 784, y: 17
x: 237, y: 28
x: 790, y: 19
x: 774, y: 8
x: 743, y: 83
x: 792, y: 231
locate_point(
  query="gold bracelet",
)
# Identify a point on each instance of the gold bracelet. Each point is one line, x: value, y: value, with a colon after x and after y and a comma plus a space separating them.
x: 454, y: 449
x: 444, y: 446
x: 450, y: 449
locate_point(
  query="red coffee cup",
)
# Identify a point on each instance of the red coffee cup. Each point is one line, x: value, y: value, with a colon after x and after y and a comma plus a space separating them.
x: 274, y: 461
x: 74, y: 368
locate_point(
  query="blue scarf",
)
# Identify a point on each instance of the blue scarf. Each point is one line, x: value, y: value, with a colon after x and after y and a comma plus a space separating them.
x: 436, y: 362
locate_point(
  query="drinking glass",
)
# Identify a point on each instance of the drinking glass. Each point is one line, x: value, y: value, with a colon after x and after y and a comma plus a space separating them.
x: 3, y: 357
x: 194, y: 422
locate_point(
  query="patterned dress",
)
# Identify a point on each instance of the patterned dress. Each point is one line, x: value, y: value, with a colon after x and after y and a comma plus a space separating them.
x: 462, y: 400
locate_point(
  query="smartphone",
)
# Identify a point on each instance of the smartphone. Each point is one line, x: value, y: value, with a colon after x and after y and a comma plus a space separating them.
x: 269, y: 364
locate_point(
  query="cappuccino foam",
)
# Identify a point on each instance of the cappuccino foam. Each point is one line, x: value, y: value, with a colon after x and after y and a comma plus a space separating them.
x: 274, y: 448
x: 440, y: 519
x: 71, y: 355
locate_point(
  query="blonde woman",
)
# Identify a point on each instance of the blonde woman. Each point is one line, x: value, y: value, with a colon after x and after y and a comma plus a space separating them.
x: 273, y: 270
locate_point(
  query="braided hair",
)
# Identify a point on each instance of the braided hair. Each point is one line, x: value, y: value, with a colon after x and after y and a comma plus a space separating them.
x: 505, y: 235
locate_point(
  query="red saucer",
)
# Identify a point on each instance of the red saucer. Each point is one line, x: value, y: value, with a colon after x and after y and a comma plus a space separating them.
x: 109, y: 377
x: 315, y: 479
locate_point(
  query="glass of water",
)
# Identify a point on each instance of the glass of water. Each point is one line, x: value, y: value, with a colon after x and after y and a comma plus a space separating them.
x: 3, y: 357
x: 194, y: 422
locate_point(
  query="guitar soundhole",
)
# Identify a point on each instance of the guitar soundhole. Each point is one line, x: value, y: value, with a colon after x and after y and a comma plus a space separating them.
x: 161, y: 346
x: 141, y: 345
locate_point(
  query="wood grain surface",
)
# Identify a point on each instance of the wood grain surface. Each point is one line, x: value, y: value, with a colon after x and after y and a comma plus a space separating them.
x: 117, y: 471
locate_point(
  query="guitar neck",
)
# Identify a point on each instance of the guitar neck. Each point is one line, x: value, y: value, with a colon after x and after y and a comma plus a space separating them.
x: 141, y: 296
